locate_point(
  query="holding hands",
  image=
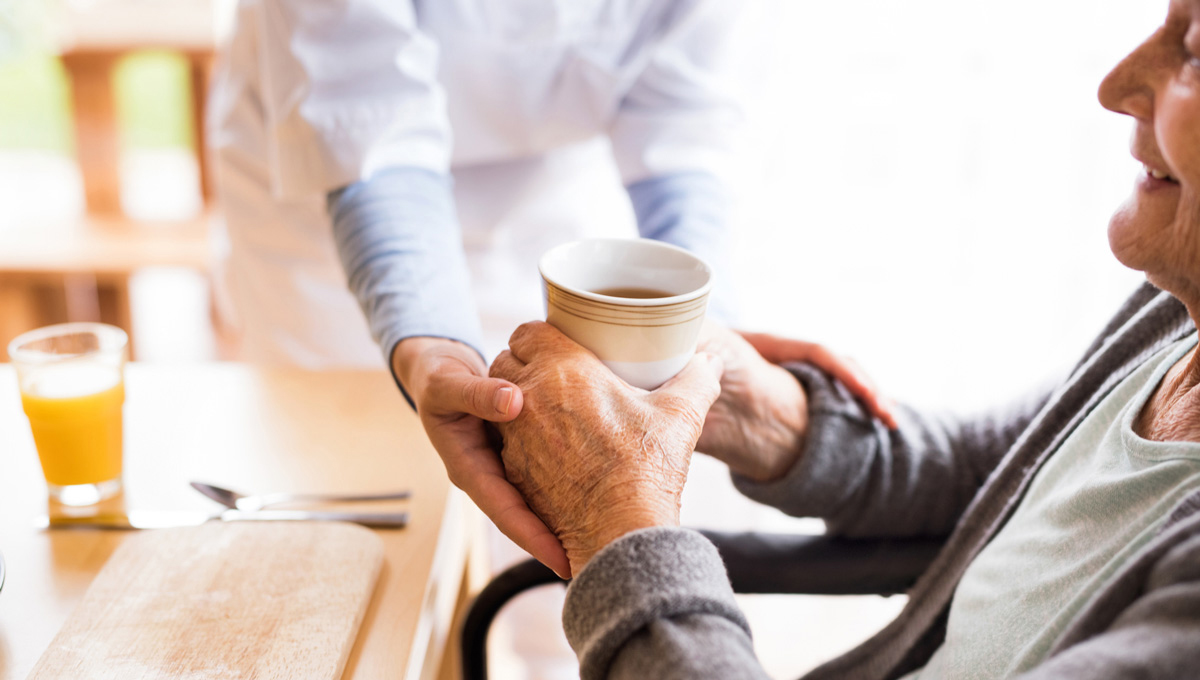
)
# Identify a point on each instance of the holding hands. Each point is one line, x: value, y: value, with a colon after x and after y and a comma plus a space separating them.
x: 588, y: 458
x: 594, y: 457
x: 455, y: 399
x: 758, y: 425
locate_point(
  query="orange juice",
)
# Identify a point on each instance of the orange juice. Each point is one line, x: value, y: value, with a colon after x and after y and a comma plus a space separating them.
x: 75, y: 414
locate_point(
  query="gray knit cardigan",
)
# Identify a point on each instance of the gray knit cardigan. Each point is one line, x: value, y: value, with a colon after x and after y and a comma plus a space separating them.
x: 657, y: 604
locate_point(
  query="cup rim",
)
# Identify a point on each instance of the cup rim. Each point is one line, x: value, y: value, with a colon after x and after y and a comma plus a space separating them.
x: 628, y: 302
x: 112, y: 339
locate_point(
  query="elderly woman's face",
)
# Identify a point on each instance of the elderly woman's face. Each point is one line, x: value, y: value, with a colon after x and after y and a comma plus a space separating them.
x: 1158, y: 229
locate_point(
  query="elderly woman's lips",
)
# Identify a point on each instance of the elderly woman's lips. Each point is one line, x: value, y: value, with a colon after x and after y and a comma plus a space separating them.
x: 1156, y: 180
x: 1158, y: 174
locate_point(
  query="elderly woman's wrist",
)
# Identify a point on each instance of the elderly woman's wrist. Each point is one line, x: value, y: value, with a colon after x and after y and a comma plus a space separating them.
x: 778, y: 466
x: 783, y: 431
x: 582, y: 547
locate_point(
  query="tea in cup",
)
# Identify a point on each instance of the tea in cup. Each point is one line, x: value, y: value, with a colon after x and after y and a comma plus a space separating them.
x: 637, y: 304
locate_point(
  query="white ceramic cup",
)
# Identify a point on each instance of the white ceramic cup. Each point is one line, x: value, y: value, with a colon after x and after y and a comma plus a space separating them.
x: 644, y: 340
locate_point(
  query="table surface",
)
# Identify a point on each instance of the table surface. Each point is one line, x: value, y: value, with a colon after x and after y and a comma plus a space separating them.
x: 250, y: 429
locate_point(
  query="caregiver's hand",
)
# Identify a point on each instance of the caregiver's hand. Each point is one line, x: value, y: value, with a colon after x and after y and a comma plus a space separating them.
x: 845, y: 370
x: 448, y: 382
x: 594, y: 457
x: 758, y: 425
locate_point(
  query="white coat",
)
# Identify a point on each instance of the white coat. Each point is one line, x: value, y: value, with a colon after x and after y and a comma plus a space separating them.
x: 540, y: 109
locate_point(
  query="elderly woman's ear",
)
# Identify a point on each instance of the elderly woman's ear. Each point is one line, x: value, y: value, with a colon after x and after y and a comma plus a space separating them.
x: 594, y: 457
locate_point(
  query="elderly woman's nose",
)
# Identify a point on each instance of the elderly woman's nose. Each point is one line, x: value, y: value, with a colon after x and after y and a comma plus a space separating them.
x: 1127, y: 88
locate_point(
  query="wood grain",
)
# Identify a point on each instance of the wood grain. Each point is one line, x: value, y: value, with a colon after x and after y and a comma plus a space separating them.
x: 252, y: 429
x: 252, y: 600
x: 97, y: 139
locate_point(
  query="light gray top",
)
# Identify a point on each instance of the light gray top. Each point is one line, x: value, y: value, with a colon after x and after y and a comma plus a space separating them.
x: 1088, y: 511
x: 656, y: 603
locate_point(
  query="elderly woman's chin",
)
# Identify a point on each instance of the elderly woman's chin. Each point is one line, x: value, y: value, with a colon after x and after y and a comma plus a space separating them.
x: 1156, y: 232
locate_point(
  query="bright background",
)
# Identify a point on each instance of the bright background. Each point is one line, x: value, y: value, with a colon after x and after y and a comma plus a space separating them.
x: 933, y: 184
x: 927, y: 190
x: 928, y: 182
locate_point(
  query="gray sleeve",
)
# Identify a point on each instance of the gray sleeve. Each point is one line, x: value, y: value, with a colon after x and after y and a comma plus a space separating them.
x: 657, y: 604
x: 868, y: 481
x: 1155, y: 638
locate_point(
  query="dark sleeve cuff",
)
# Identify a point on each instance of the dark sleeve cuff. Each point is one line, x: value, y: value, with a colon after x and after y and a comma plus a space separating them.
x: 643, y: 577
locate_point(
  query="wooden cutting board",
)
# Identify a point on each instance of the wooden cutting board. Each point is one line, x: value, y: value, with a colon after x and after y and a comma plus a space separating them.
x: 230, y: 601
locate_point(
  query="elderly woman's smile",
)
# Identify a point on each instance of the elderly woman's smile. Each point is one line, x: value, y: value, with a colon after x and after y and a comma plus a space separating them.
x: 1158, y: 229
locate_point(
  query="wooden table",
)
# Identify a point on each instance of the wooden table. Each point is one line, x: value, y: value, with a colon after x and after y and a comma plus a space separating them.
x: 250, y: 429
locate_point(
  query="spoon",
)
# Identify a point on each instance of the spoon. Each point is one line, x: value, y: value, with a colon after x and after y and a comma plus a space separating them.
x: 250, y: 503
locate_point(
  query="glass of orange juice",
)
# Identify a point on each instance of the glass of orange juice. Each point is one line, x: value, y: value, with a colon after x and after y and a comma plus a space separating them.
x: 72, y: 380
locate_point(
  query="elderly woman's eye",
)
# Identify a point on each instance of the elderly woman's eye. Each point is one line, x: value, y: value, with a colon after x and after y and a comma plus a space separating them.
x: 1191, y: 53
x: 1191, y: 45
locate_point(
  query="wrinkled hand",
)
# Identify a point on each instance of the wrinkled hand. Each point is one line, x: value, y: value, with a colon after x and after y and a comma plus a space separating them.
x: 758, y: 425
x: 448, y: 382
x: 594, y: 457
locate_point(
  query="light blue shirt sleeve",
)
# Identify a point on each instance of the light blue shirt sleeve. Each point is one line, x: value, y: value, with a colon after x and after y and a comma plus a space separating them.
x: 399, y: 242
x: 691, y: 210
x: 398, y: 238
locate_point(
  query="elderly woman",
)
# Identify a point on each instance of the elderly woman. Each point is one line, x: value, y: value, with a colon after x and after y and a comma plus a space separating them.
x: 1072, y: 521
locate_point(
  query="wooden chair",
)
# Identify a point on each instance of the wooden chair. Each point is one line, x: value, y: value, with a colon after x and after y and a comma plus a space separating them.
x: 80, y: 270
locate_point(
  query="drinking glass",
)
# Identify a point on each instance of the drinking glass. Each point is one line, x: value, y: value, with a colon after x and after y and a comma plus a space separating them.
x: 72, y: 381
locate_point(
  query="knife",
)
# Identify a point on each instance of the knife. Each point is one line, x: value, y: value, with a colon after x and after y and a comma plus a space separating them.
x: 156, y: 519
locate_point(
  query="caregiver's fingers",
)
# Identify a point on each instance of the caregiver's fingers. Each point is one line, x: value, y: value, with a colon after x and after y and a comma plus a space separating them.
x: 779, y: 350
x: 487, y: 486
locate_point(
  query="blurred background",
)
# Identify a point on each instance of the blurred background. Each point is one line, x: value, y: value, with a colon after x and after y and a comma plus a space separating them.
x: 105, y: 209
x: 926, y: 189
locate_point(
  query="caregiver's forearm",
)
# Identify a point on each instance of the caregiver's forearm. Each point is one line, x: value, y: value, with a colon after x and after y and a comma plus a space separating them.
x: 398, y: 239
x: 691, y: 210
